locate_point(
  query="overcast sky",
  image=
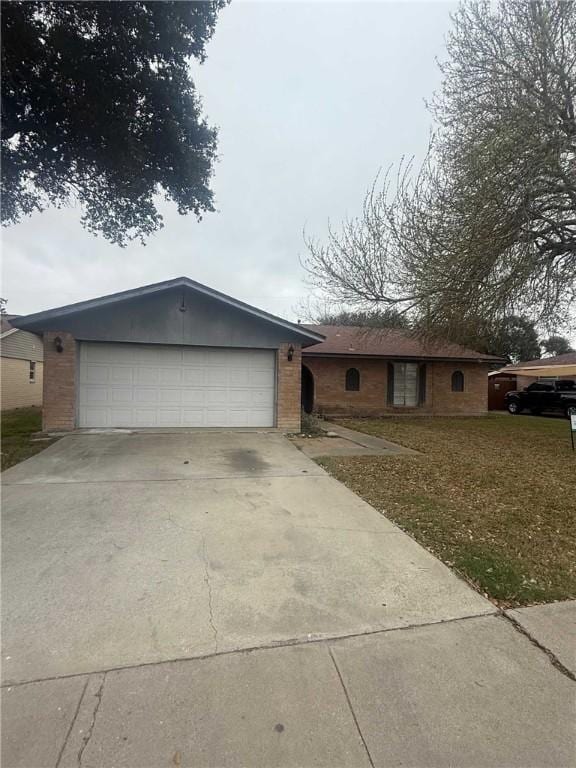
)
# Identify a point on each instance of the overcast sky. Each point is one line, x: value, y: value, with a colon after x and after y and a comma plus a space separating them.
x: 311, y: 99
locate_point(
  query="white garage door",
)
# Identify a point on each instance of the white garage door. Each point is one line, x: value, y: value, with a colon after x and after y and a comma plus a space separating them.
x: 147, y: 385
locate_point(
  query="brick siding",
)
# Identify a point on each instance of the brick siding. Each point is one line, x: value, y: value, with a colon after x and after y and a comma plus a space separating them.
x: 288, y: 390
x: 59, y: 411
x: 332, y: 399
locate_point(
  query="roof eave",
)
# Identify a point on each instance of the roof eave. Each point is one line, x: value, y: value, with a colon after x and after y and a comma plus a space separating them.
x: 427, y: 358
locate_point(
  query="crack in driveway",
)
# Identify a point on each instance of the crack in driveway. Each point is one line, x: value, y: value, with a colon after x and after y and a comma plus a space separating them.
x: 209, y: 588
x: 88, y: 736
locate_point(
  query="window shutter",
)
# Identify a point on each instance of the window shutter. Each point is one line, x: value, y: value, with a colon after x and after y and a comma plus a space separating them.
x: 390, y: 383
x: 422, y: 384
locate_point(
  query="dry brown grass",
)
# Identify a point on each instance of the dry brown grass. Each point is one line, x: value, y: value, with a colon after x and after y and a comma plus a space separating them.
x: 493, y: 497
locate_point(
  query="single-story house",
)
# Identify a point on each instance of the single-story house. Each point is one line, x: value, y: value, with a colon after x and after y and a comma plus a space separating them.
x: 179, y: 354
x: 172, y: 354
x: 520, y: 375
x: 21, y: 364
x: 373, y: 371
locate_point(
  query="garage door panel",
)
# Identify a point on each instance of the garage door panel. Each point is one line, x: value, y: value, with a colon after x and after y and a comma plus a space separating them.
x: 145, y: 395
x: 216, y: 396
x: 172, y: 376
x: 124, y: 385
x: 239, y: 377
x: 193, y: 417
x: 215, y: 417
x: 146, y: 375
x: 168, y: 417
x: 193, y: 397
x: 97, y: 374
x: 193, y: 377
x: 144, y: 417
x: 261, y: 398
x: 216, y: 376
x: 169, y: 396
x: 258, y: 378
x: 121, y: 395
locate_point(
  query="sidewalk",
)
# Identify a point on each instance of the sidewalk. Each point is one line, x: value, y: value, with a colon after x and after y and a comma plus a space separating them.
x: 470, y: 692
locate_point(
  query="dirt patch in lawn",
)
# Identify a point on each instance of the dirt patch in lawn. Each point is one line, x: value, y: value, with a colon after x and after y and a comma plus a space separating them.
x: 16, y: 430
x: 493, y: 497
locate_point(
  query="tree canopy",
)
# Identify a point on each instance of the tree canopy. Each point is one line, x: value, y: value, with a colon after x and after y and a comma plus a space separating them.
x: 514, y: 338
x: 556, y: 345
x: 98, y: 106
x: 374, y: 318
x: 487, y: 226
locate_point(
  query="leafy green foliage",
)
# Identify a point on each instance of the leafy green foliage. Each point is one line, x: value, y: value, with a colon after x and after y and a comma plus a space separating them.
x: 556, y: 345
x: 514, y: 338
x: 98, y: 106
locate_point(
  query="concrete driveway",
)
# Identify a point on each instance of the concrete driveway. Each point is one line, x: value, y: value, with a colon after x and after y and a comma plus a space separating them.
x: 140, y: 569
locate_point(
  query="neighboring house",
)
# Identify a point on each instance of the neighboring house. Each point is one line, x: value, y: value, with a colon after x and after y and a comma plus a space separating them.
x: 372, y: 371
x: 520, y: 375
x: 173, y: 354
x: 20, y: 366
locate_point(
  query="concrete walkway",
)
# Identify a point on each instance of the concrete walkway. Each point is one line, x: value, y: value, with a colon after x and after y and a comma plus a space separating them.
x: 340, y: 441
x: 218, y: 600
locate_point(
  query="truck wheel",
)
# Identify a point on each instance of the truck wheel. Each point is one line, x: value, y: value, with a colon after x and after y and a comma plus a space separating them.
x: 514, y: 408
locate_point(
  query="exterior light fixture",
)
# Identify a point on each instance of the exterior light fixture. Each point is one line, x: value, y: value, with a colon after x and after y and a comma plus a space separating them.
x: 290, y: 353
x: 59, y: 344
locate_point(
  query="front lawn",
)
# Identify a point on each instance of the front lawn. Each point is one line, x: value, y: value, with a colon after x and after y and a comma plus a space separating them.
x: 16, y: 429
x: 493, y: 497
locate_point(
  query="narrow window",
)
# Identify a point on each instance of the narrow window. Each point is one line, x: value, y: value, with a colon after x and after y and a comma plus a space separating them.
x: 457, y: 381
x: 32, y: 372
x: 352, y: 380
x: 405, y: 386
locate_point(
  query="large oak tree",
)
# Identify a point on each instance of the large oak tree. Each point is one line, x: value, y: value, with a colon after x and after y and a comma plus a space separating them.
x: 98, y: 106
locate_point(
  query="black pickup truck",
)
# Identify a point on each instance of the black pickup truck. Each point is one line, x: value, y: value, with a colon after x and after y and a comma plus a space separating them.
x: 558, y: 396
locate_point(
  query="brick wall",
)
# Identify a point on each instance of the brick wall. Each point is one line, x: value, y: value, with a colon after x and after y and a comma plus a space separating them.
x: 332, y: 399
x: 472, y: 401
x: 59, y: 411
x: 17, y: 389
x: 288, y: 390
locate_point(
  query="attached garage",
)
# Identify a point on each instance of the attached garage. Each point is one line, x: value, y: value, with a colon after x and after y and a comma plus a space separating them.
x: 145, y: 385
x: 173, y: 354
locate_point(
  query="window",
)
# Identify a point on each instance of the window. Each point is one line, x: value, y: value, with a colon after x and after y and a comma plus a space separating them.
x: 352, y: 380
x: 457, y: 381
x: 32, y: 372
x: 405, y: 384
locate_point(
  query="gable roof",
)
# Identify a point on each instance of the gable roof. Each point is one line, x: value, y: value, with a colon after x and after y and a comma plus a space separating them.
x: 569, y: 358
x: 354, y: 341
x: 35, y: 321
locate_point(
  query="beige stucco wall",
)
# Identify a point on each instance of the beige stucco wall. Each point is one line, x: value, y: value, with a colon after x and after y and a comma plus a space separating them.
x: 16, y: 389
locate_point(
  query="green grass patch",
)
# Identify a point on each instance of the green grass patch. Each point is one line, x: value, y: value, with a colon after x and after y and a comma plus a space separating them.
x: 16, y: 430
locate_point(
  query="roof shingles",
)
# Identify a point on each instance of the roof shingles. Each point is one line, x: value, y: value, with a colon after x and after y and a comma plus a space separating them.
x: 388, y: 342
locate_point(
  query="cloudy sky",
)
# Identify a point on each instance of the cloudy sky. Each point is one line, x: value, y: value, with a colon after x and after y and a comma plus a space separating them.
x: 311, y: 100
